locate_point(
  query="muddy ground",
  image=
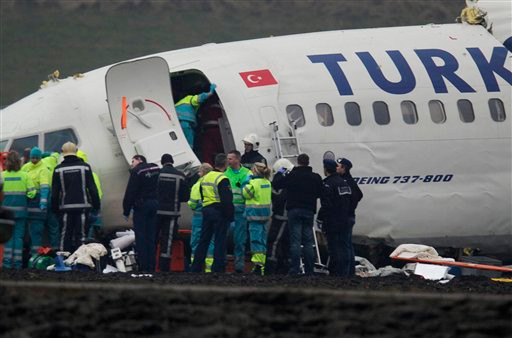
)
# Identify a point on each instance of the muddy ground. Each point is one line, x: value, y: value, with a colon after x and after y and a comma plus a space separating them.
x: 85, y: 304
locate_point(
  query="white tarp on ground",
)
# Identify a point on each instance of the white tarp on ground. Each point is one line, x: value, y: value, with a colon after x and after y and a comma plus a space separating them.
x: 85, y: 253
x: 418, y: 251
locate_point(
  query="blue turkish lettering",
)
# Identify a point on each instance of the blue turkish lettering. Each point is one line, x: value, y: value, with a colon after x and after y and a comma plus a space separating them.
x: 495, y: 65
x: 331, y: 63
x: 404, y: 86
x: 436, y: 73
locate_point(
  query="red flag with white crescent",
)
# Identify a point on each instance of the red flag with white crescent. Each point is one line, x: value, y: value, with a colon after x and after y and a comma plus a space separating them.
x: 258, y: 78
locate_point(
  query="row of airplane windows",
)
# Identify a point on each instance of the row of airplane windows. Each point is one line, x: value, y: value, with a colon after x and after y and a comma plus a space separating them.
x: 325, y: 116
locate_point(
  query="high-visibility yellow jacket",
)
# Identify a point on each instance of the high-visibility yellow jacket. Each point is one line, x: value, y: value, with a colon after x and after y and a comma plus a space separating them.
x: 209, y: 186
x: 237, y: 179
x: 40, y: 175
x: 258, y: 197
x: 194, y: 201
x: 17, y: 188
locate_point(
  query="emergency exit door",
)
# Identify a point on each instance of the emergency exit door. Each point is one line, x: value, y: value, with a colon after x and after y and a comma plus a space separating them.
x: 141, y: 106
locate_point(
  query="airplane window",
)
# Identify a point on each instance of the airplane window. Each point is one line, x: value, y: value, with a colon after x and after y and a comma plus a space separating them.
x: 466, y: 112
x: 409, y: 112
x: 324, y: 114
x: 20, y: 144
x: 3, y: 144
x: 381, y: 112
x: 353, y: 113
x: 295, y: 115
x: 437, y: 113
x: 497, y: 110
x: 54, y: 140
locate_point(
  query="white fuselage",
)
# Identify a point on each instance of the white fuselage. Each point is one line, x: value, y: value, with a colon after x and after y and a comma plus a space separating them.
x: 444, y: 184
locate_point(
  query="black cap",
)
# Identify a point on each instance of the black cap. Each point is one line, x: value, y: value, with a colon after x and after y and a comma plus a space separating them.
x: 345, y: 162
x: 167, y: 158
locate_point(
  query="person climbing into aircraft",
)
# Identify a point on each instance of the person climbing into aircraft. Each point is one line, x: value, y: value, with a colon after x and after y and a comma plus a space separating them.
x: 187, y: 107
x: 304, y: 188
x: 251, y: 154
x: 74, y: 193
x: 196, y: 205
x: 218, y: 212
x: 278, y: 241
x: 333, y: 219
x: 18, y: 188
x: 258, y: 197
x: 238, y: 175
x: 37, y: 207
x: 343, y: 168
x: 95, y: 221
x: 141, y: 196
x: 52, y: 227
x: 172, y: 191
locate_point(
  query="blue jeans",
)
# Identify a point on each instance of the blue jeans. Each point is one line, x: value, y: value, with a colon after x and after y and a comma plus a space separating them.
x: 144, y: 223
x: 214, y: 223
x: 301, y: 232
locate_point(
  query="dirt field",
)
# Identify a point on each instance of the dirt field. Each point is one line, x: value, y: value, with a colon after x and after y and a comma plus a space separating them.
x: 78, y: 304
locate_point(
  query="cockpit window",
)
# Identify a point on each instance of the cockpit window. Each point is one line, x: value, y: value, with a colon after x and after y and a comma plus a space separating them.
x: 54, y: 140
x: 3, y: 144
x: 20, y: 144
x: 295, y: 115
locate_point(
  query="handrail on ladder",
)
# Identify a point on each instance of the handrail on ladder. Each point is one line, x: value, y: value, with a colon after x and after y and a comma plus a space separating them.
x: 277, y: 140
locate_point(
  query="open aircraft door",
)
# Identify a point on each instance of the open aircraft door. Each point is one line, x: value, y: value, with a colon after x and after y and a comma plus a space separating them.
x: 141, y: 106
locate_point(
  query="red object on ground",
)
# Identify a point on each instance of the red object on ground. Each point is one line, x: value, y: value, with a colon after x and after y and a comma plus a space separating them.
x: 178, y: 256
x: 461, y: 264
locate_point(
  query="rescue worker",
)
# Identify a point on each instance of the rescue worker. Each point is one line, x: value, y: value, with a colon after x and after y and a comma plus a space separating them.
x: 258, y: 194
x: 218, y: 212
x: 73, y: 195
x: 304, y: 187
x: 238, y: 176
x: 95, y: 222
x: 195, y: 204
x: 210, y: 142
x: 52, y: 221
x: 37, y: 207
x: 278, y: 242
x: 17, y: 188
x: 251, y: 154
x: 343, y: 168
x: 172, y: 191
x: 333, y: 219
x: 141, y: 197
x: 186, y: 108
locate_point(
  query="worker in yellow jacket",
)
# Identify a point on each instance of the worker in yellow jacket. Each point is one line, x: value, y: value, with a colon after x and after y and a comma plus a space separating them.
x: 258, y: 195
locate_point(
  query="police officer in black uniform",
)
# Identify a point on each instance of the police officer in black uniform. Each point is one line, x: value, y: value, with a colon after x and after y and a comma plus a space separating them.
x: 344, y: 166
x: 333, y: 219
x: 141, y: 196
x: 172, y: 191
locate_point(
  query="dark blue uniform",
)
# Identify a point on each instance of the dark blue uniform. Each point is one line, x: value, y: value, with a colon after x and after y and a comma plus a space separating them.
x: 334, y: 215
x: 172, y: 191
x: 141, y: 196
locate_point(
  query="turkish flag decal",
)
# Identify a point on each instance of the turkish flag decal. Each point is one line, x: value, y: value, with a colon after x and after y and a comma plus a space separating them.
x: 258, y: 78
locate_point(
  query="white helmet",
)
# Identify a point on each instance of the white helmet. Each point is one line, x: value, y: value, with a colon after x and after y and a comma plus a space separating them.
x: 282, y: 163
x: 252, y: 139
